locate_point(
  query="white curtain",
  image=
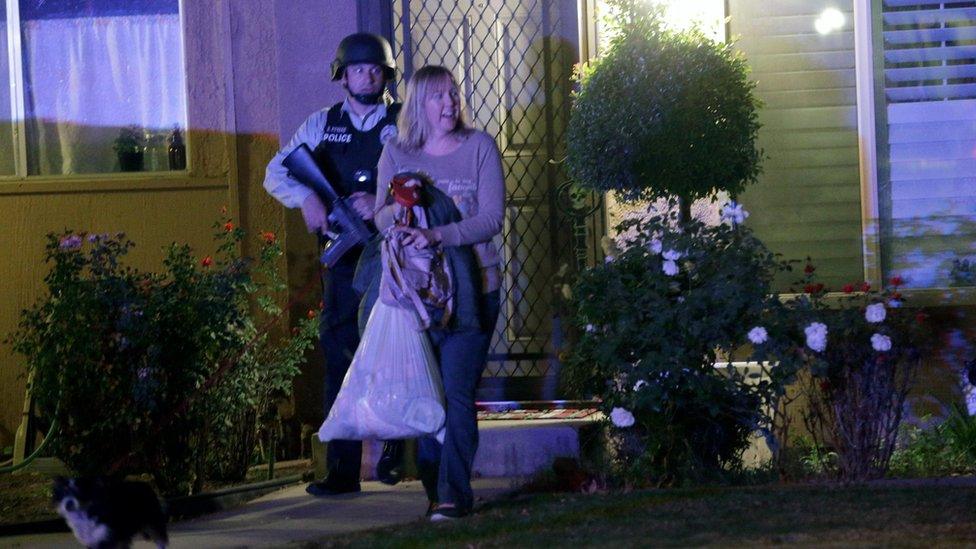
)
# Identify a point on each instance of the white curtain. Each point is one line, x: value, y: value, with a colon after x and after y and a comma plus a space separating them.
x: 86, y: 78
x: 6, y: 118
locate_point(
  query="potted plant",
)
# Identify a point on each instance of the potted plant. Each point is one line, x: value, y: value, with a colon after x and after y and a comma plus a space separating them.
x: 130, y: 146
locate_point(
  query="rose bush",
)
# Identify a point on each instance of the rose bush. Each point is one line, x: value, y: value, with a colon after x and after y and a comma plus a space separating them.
x: 655, y: 320
x: 158, y: 372
x: 859, y: 349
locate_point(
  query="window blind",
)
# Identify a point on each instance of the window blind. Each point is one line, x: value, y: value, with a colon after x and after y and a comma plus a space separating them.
x: 928, y: 197
x: 930, y: 50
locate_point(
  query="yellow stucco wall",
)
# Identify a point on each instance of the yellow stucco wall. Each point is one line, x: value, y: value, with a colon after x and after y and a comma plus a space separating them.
x: 152, y: 218
x: 152, y: 211
x: 254, y: 70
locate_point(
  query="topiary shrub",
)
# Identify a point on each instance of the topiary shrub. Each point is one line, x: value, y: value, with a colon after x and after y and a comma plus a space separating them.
x: 663, y: 113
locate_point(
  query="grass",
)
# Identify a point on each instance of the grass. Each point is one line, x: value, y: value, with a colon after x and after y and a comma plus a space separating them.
x: 886, y: 514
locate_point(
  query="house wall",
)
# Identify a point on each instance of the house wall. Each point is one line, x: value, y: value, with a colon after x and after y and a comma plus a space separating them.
x: 807, y: 201
x: 254, y: 71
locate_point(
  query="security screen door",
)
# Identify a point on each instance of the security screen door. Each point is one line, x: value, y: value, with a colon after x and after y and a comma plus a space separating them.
x: 514, y: 61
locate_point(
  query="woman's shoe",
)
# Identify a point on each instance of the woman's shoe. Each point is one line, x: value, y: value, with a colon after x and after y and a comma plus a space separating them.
x: 446, y: 512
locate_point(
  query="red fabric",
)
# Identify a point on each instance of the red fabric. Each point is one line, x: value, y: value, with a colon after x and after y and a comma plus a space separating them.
x: 405, y: 188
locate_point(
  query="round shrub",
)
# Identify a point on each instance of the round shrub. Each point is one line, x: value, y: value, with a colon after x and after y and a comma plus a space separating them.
x: 663, y: 113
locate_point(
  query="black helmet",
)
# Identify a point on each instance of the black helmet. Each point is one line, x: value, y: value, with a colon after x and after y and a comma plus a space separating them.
x: 364, y: 47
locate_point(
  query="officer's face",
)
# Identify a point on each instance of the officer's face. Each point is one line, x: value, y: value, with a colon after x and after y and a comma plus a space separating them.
x: 363, y: 78
x: 442, y: 105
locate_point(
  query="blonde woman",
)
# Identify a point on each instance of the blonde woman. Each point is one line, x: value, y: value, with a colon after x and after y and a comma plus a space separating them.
x: 464, y: 164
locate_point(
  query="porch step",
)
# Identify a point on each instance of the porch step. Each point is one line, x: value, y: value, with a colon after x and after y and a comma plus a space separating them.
x: 522, y: 448
x: 506, y: 448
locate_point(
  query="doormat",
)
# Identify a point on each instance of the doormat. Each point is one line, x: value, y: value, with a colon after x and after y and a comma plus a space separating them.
x: 521, y: 415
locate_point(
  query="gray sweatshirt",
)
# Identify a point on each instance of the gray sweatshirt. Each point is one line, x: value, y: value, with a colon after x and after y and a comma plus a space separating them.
x: 472, y: 176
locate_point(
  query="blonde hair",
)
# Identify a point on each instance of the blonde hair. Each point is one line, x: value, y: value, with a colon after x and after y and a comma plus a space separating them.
x: 413, y: 128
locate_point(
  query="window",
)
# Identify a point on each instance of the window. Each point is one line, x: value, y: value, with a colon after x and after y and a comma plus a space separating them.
x: 6, y: 111
x: 927, y: 138
x: 98, y: 86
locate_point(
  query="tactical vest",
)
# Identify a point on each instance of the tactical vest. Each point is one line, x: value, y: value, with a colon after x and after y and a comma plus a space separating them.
x: 348, y: 156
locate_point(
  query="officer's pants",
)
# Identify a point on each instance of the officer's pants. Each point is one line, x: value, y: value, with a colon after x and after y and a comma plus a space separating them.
x: 339, y: 337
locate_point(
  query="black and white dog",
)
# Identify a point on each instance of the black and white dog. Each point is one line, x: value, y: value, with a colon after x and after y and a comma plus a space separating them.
x: 104, y: 512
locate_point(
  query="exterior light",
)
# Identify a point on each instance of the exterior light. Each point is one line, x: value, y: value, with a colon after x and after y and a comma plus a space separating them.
x: 830, y: 20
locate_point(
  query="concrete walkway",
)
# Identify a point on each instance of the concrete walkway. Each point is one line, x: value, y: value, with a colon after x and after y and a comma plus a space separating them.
x: 291, y: 516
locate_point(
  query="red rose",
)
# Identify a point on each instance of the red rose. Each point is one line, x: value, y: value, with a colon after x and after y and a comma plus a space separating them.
x: 809, y: 268
x: 897, y: 281
x: 228, y: 226
x: 321, y: 305
x: 848, y: 288
x: 809, y: 288
x: 865, y: 287
x: 207, y: 261
x: 311, y: 313
x: 269, y: 237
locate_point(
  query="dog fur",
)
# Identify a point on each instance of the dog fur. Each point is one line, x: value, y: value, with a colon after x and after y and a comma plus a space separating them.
x: 107, y: 513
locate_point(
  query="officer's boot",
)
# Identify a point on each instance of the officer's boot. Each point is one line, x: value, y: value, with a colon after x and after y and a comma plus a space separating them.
x: 389, y: 469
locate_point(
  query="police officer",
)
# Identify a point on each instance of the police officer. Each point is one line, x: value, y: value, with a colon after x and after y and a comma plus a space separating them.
x: 347, y: 139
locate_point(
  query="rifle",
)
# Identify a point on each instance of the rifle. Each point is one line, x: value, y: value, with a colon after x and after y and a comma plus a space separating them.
x: 349, y: 227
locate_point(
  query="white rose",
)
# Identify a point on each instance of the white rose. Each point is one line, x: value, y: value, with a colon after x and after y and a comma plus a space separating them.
x: 881, y: 343
x: 655, y: 246
x: 875, y: 312
x: 816, y: 334
x: 670, y: 268
x: 671, y: 255
x: 733, y: 213
x: 758, y: 335
x: 590, y: 328
x: 621, y: 418
x: 640, y: 384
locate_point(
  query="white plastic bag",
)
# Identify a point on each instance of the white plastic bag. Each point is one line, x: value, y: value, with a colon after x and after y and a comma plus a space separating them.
x: 393, y: 388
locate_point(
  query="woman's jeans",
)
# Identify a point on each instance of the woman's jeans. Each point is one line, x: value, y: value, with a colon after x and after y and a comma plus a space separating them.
x: 445, y: 469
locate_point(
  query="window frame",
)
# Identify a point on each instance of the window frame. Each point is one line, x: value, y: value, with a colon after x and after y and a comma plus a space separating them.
x: 205, y: 28
x: 872, y: 135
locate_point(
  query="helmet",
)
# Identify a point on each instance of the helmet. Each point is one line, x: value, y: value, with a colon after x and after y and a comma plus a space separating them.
x: 364, y: 47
